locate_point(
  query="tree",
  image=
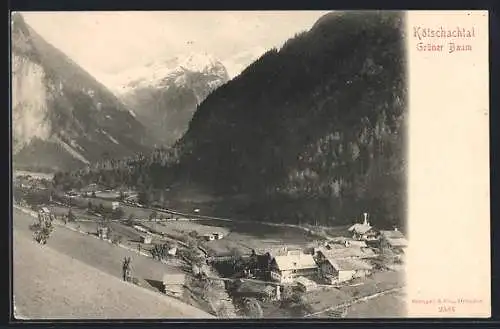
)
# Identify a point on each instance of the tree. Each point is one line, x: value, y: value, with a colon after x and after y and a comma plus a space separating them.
x: 131, y: 218
x: 90, y: 206
x: 101, y: 209
x: 118, y: 213
x: 144, y: 197
x: 253, y: 309
x: 193, y: 234
x: 71, y: 216
x: 93, y: 194
x: 222, y: 311
x: 153, y: 215
x: 116, y: 239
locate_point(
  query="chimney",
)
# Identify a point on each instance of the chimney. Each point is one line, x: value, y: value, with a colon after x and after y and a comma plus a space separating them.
x: 365, y: 222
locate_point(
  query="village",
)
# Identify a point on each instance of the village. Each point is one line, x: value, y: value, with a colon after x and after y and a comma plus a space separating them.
x: 220, y: 266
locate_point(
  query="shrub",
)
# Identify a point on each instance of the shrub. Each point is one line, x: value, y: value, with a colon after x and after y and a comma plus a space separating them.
x: 253, y: 309
x: 118, y: 213
x: 116, y: 239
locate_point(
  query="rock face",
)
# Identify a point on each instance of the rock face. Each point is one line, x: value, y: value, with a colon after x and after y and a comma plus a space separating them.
x: 165, y: 95
x: 61, y: 116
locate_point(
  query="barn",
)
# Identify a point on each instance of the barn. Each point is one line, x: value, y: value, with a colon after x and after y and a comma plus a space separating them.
x: 341, y: 270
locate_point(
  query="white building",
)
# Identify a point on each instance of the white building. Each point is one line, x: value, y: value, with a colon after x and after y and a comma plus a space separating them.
x: 287, y: 267
x: 115, y: 205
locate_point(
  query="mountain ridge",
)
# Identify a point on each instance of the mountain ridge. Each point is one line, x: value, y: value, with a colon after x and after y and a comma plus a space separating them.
x: 165, y: 96
x: 56, y: 102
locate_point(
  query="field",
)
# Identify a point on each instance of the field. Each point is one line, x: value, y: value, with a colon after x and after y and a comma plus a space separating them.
x: 386, y: 306
x: 76, y: 276
x: 239, y: 235
x: 392, y: 303
x: 242, y: 236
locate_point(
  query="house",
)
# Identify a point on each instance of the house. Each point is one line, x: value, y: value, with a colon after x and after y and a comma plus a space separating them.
x: 209, y: 237
x: 341, y: 270
x: 394, y: 240
x: 218, y: 235
x: 305, y: 285
x: 364, y: 231
x: 45, y: 210
x: 147, y: 239
x: 103, y: 232
x: 287, y: 267
x: 355, y: 243
x: 115, y: 205
x: 88, y: 190
x: 174, y: 283
x: 172, y: 251
x: 341, y: 252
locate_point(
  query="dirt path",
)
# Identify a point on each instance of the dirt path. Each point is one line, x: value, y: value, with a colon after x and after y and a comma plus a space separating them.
x: 51, y: 285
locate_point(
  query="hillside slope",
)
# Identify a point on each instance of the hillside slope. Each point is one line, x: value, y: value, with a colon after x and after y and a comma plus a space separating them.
x: 62, y: 117
x: 51, y: 285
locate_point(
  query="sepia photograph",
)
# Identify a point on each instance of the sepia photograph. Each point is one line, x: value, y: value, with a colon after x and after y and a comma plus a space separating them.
x: 217, y: 164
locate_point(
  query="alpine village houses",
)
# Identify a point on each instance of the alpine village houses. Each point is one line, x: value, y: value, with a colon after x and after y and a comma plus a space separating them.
x: 364, y: 231
x: 332, y: 263
x: 285, y: 268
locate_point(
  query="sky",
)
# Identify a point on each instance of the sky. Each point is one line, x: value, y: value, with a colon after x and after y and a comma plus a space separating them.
x: 108, y: 43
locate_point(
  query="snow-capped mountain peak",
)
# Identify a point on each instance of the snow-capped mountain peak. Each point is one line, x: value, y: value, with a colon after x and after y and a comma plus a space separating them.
x: 160, y: 73
x: 199, y: 62
x: 164, y: 94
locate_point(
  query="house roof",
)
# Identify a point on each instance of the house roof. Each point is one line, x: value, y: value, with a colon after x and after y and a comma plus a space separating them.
x: 349, y: 264
x: 174, y: 278
x: 394, y: 238
x: 346, y: 252
x: 400, y: 242
x: 360, y: 228
x: 361, y: 244
x: 305, y: 282
x: 392, y: 234
x: 295, y: 262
